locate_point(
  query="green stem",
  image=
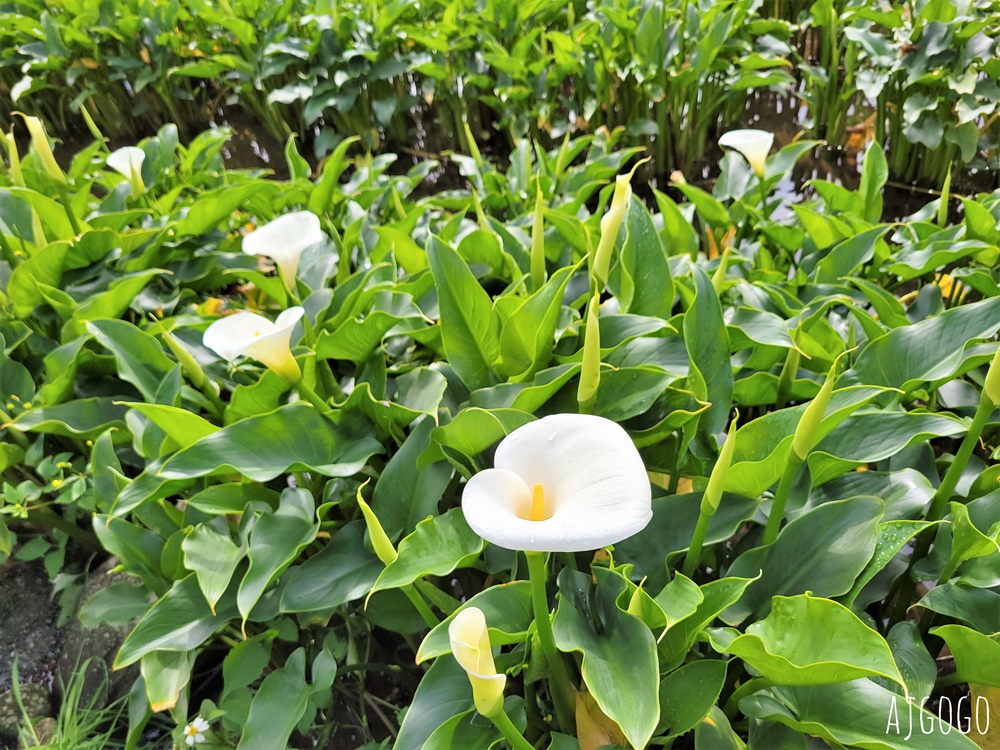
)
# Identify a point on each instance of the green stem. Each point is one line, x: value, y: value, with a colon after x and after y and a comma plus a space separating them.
x: 947, y: 487
x: 748, y: 687
x: 68, y: 205
x: 49, y: 519
x: 939, y: 504
x: 697, y: 542
x: 562, y: 688
x: 510, y: 733
x: 781, y: 498
x: 312, y: 397
x: 16, y: 435
x: 421, y: 606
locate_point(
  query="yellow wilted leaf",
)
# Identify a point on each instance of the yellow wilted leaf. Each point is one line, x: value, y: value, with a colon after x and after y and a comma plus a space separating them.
x: 991, y: 739
x: 593, y: 728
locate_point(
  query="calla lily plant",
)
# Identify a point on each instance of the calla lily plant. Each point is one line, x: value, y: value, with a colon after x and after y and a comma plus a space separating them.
x: 565, y: 483
x: 284, y: 240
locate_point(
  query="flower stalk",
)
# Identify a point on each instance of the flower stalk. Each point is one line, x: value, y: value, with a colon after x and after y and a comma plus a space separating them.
x: 560, y: 684
x: 710, y: 500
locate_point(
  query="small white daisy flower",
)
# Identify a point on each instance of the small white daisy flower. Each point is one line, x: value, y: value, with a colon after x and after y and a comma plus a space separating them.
x: 194, y: 732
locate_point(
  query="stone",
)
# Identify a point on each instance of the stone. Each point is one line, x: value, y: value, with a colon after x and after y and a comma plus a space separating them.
x: 30, y: 636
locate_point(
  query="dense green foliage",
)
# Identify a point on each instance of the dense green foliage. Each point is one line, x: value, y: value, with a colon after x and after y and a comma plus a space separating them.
x: 921, y: 77
x: 433, y: 327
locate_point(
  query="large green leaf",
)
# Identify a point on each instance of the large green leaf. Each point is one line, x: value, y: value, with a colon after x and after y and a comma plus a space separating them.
x: 283, y: 698
x: 340, y: 572
x: 927, y: 351
x: 180, y: 620
x: 711, y: 374
x: 470, y: 330
x: 276, y: 540
x: 406, y: 494
x: 508, y: 611
x: 528, y: 335
x: 292, y: 438
x: 84, y: 417
x: 807, y: 640
x: 213, y: 557
x: 855, y: 714
x: 619, y: 652
x: 977, y: 656
x: 444, y: 692
x: 688, y: 694
x: 437, y: 546
x: 821, y: 551
x: 977, y: 607
x: 646, y: 284
x: 472, y: 431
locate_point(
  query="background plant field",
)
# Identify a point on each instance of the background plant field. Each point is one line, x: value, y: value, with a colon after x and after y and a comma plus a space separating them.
x: 848, y: 359
x: 920, y: 78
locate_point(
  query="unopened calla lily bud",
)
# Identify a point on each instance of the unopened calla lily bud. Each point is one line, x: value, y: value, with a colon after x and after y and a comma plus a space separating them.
x: 470, y: 645
x: 15, y: 160
x: 807, y: 430
x: 538, y: 242
x: 717, y: 481
x: 380, y: 540
x: 40, y: 142
x: 187, y: 361
x: 992, y: 385
x: 590, y: 372
x: 611, y: 222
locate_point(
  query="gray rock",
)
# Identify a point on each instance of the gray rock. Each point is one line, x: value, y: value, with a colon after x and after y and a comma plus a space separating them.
x: 29, y: 635
x: 101, y: 685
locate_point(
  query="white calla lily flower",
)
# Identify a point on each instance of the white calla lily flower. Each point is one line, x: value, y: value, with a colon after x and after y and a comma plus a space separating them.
x: 566, y: 483
x: 470, y: 645
x: 127, y: 162
x: 247, y: 334
x: 755, y: 145
x: 284, y: 240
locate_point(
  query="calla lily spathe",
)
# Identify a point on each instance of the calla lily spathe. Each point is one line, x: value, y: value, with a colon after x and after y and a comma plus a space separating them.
x: 127, y: 162
x: 247, y: 334
x: 755, y: 145
x: 284, y: 240
x: 470, y: 645
x: 566, y: 483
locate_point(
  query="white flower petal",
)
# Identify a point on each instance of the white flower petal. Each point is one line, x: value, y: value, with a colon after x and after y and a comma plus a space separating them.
x: 229, y: 337
x: 284, y: 240
x: 200, y: 724
x: 593, y: 478
x: 126, y: 160
x: 251, y: 335
x: 274, y: 347
x: 755, y: 145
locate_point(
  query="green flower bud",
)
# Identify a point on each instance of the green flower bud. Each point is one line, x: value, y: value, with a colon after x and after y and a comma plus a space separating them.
x: 380, y: 540
x: 610, y: 224
x: 717, y: 481
x: 590, y: 373
x: 992, y: 385
x: 40, y: 142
